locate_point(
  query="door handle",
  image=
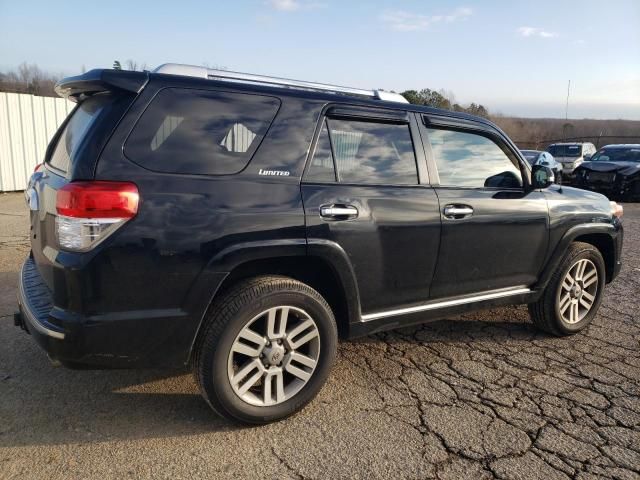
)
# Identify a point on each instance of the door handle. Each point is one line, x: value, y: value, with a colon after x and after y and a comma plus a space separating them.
x: 456, y: 212
x: 338, y: 212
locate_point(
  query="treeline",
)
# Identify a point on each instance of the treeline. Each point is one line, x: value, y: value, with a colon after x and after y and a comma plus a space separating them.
x: 536, y: 133
x: 443, y: 99
x: 29, y: 78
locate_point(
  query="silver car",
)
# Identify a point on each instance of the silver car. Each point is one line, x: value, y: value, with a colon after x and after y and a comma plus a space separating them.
x: 571, y: 155
x: 536, y: 157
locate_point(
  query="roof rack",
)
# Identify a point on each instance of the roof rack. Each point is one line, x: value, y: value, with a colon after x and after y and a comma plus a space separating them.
x: 227, y: 75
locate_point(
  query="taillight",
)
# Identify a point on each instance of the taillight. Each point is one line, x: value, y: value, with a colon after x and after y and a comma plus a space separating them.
x: 88, y: 212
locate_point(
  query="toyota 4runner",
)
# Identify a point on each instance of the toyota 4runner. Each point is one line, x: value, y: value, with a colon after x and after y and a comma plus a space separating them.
x: 241, y: 224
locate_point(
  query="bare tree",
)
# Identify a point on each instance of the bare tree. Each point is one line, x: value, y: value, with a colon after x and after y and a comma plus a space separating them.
x: 29, y: 78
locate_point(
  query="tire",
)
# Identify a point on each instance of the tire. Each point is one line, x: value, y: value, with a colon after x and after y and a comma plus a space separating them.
x: 551, y: 312
x: 237, y: 339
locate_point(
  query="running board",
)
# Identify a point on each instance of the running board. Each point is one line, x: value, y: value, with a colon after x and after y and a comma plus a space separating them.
x: 491, y: 295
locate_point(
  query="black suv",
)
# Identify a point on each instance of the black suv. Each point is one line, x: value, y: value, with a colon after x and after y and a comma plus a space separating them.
x: 241, y: 224
x: 614, y: 170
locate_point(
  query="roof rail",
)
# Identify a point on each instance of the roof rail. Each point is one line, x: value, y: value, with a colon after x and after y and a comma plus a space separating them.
x: 227, y: 75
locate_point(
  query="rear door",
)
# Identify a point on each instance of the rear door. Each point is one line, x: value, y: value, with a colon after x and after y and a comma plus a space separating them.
x: 366, y: 189
x: 494, y: 230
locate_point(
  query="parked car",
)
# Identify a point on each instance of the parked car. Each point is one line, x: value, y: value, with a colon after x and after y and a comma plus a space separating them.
x: 571, y: 155
x: 614, y: 170
x: 536, y: 157
x: 241, y: 224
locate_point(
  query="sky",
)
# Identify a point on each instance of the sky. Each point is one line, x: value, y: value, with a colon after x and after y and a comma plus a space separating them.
x: 514, y: 57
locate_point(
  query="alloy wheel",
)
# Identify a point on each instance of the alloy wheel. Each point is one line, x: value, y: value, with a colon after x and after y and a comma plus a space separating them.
x: 274, y: 356
x: 577, y: 292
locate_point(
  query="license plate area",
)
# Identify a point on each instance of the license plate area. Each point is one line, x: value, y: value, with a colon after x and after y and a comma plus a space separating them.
x: 600, y: 177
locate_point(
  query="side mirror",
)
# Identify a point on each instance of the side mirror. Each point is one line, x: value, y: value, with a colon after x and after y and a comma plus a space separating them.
x: 587, y: 157
x: 541, y: 176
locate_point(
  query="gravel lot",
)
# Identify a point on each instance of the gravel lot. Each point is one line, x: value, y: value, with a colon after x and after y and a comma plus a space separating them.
x: 477, y: 396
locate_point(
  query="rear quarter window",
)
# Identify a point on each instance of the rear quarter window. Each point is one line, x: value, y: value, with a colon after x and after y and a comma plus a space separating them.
x: 75, y: 130
x: 200, y: 131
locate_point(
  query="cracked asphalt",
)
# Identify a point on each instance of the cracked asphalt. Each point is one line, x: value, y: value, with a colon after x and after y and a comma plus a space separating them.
x: 477, y: 396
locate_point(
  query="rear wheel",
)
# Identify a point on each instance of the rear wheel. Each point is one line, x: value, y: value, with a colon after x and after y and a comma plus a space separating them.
x: 267, y: 349
x: 573, y: 295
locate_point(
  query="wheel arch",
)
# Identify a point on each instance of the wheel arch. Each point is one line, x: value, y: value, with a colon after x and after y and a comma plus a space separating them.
x: 605, y: 245
x: 600, y: 235
x: 324, y: 266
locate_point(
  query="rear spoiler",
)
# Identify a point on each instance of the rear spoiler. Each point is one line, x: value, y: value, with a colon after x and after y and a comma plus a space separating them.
x: 100, y: 80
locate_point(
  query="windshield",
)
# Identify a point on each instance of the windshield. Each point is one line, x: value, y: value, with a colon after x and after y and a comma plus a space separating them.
x: 530, y: 155
x: 617, y: 155
x: 565, y: 150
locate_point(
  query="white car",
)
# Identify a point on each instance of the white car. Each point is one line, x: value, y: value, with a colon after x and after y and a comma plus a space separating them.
x: 571, y: 155
x: 536, y: 157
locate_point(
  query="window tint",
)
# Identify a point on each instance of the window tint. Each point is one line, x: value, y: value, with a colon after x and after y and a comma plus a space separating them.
x: 471, y: 160
x: 82, y: 118
x: 321, y: 168
x: 367, y: 152
x: 199, y: 131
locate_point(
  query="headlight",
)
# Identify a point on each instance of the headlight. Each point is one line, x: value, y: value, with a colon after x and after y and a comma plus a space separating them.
x: 616, y: 210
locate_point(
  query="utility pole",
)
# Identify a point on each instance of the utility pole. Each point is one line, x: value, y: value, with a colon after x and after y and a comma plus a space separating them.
x: 566, y: 113
x: 566, y: 110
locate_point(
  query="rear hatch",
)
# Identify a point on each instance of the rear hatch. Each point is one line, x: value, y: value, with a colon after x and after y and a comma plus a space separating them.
x: 103, y: 96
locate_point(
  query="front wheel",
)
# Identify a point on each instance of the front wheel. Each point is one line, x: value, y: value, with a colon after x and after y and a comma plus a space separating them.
x: 572, y: 298
x: 267, y: 349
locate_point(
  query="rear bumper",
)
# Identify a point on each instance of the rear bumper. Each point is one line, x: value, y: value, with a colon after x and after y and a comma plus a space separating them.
x: 121, y: 340
x: 568, y: 174
x: 34, y: 302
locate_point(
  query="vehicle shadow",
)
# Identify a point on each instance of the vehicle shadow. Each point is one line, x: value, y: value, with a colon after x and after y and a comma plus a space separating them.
x: 43, y: 405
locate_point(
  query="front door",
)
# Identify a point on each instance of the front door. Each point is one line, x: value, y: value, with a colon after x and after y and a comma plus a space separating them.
x: 494, y: 230
x: 363, y: 191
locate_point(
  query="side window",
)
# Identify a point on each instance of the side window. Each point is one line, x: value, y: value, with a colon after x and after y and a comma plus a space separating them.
x: 371, y: 153
x: 473, y: 161
x: 200, y: 131
x: 321, y: 168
